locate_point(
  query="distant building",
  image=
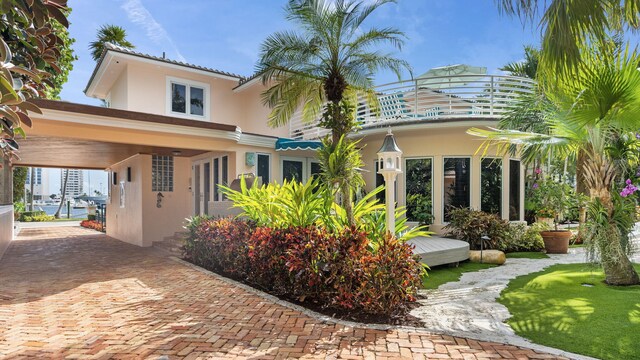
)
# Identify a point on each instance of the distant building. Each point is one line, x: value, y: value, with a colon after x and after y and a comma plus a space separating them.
x: 74, y: 184
x: 40, y: 184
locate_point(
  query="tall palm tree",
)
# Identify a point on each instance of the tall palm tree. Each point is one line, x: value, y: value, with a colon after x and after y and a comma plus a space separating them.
x: 326, y: 65
x: 591, y: 111
x: 109, y: 34
x: 567, y: 24
x: 64, y: 194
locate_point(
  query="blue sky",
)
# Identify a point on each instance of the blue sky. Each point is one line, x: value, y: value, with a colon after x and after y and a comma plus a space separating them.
x: 226, y: 34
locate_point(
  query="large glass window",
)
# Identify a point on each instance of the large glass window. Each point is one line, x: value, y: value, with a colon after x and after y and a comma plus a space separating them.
x: 456, y: 184
x: 292, y: 170
x: 187, y: 98
x: 514, y: 190
x: 379, y: 182
x: 491, y: 186
x: 216, y: 179
x: 419, y: 181
x: 178, y: 98
x: 161, y: 173
x: 264, y: 167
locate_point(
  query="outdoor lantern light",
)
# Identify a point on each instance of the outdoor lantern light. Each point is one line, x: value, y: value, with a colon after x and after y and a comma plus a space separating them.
x: 389, y: 157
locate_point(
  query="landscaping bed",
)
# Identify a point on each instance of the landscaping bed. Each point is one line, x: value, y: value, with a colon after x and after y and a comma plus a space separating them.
x: 336, y: 274
x: 571, y: 308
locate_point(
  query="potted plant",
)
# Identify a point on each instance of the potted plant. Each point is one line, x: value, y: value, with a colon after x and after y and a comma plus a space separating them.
x: 552, y: 198
x: 546, y: 216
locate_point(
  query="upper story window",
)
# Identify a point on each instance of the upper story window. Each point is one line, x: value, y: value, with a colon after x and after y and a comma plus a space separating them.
x: 187, y: 98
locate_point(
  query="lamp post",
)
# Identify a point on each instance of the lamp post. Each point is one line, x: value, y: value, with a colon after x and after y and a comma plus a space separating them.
x: 389, y: 160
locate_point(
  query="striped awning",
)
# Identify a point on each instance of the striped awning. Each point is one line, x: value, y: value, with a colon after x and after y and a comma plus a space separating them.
x: 283, y: 144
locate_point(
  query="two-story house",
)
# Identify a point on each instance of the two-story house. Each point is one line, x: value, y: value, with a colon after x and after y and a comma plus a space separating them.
x: 170, y: 132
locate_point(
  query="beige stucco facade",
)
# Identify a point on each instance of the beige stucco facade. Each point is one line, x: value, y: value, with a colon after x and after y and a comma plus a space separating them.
x: 139, y: 125
x: 438, y: 142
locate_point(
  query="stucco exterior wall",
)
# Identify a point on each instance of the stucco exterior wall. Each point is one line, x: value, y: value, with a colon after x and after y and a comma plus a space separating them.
x: 160, y: 222
x: 147, y: 92
x: 119, y: 94
x: 141, y: 221
x: 437, y: 144
x: 126, y: 223
x: 6, y: 227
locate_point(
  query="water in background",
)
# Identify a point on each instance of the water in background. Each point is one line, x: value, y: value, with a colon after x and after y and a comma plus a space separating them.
x: 51, y: 209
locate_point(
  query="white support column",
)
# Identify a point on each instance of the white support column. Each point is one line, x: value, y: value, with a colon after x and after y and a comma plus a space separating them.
x: 390, y: 201
x: 505, y: 186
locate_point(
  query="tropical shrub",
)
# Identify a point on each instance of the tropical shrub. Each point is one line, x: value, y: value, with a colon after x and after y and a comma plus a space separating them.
x: 295, y: 204
x: 471, y: 225
x: 35, y: 216
x: 218, y: 244
x: 524, y: 238
x: 309, y: 263
x: 92, y: 224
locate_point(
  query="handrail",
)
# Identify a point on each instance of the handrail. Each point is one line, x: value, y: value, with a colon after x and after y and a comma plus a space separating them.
x: 430, y: 98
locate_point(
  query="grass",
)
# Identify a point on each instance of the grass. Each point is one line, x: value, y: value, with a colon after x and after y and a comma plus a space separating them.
x: 443, y: 274
x: 554, y: 308
x: 72, y: 219
x: 527, y: 255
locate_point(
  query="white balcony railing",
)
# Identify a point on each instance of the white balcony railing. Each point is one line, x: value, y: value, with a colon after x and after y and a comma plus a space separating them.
x: 433, y: 98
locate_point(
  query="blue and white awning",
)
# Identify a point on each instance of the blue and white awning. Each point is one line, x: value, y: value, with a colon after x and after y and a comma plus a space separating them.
x: 291, y: 144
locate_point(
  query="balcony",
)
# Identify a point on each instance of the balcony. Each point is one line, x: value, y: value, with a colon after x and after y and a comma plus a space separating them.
x: 459, y: 97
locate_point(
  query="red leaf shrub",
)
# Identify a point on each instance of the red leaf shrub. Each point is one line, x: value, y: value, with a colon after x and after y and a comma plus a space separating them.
x: 219, y: 245
x: 92, y: 224
x: 310, y: 264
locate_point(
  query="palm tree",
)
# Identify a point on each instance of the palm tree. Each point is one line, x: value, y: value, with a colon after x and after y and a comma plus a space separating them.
x: 109, y: 34
x: 64, y: 193
x: 326, y: 67
x: 591, y: 111
x: 568, y: 24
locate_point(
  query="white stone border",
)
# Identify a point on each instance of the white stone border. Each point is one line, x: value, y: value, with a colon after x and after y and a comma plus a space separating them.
x: 328, y: 319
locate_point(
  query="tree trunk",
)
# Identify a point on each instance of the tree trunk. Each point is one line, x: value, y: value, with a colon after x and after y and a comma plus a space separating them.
x: 31, y: 183
x: 347, y: 203
x: 618, y: 270
x: 64, y: 193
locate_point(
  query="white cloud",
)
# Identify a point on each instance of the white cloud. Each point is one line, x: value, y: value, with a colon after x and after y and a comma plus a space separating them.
x: 138, y: 14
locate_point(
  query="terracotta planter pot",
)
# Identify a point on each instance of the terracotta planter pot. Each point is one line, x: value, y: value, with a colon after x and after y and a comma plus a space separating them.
x: 556, y: 241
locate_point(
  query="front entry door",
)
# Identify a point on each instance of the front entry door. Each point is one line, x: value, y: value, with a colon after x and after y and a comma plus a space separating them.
x: 197, y: 194
x: 201, y: 187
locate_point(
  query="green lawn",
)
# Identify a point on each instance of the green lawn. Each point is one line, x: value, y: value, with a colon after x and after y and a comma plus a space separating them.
x: 444, y: 274
x: 527, y: 255
x: 553, y: 308
x: 72, y: 219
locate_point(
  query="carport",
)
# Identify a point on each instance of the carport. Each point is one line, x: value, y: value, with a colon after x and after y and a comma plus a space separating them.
x: 69, y: 135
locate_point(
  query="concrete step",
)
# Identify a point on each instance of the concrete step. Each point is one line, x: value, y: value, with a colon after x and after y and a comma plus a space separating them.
x: 171, y: 244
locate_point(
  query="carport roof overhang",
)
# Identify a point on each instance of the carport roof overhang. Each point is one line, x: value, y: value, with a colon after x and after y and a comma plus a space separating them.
x: 73, y: 135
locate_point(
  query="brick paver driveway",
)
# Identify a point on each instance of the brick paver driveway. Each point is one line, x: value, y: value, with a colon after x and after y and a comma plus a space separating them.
x: 74, y: 293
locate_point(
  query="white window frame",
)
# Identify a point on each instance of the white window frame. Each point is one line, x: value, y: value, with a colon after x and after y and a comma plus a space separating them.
x: 188, y: 84
x: 433, y: 174
x: 470, y: 182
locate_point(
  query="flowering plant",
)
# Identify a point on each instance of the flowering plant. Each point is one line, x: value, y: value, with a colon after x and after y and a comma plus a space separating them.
x: 629, y: 189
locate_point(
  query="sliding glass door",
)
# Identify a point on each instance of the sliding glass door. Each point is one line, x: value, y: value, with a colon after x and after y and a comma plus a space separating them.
x: 419, y: 190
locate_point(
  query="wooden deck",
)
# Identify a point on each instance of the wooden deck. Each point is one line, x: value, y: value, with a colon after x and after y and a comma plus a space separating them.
x: 435, y: 250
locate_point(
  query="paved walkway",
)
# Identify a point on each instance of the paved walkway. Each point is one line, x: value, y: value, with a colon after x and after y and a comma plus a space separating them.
x: 468, y: 307
x: 74, y: 293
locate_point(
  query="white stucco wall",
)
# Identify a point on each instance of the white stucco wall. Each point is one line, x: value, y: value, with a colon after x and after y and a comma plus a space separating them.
x: 6, y: 227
